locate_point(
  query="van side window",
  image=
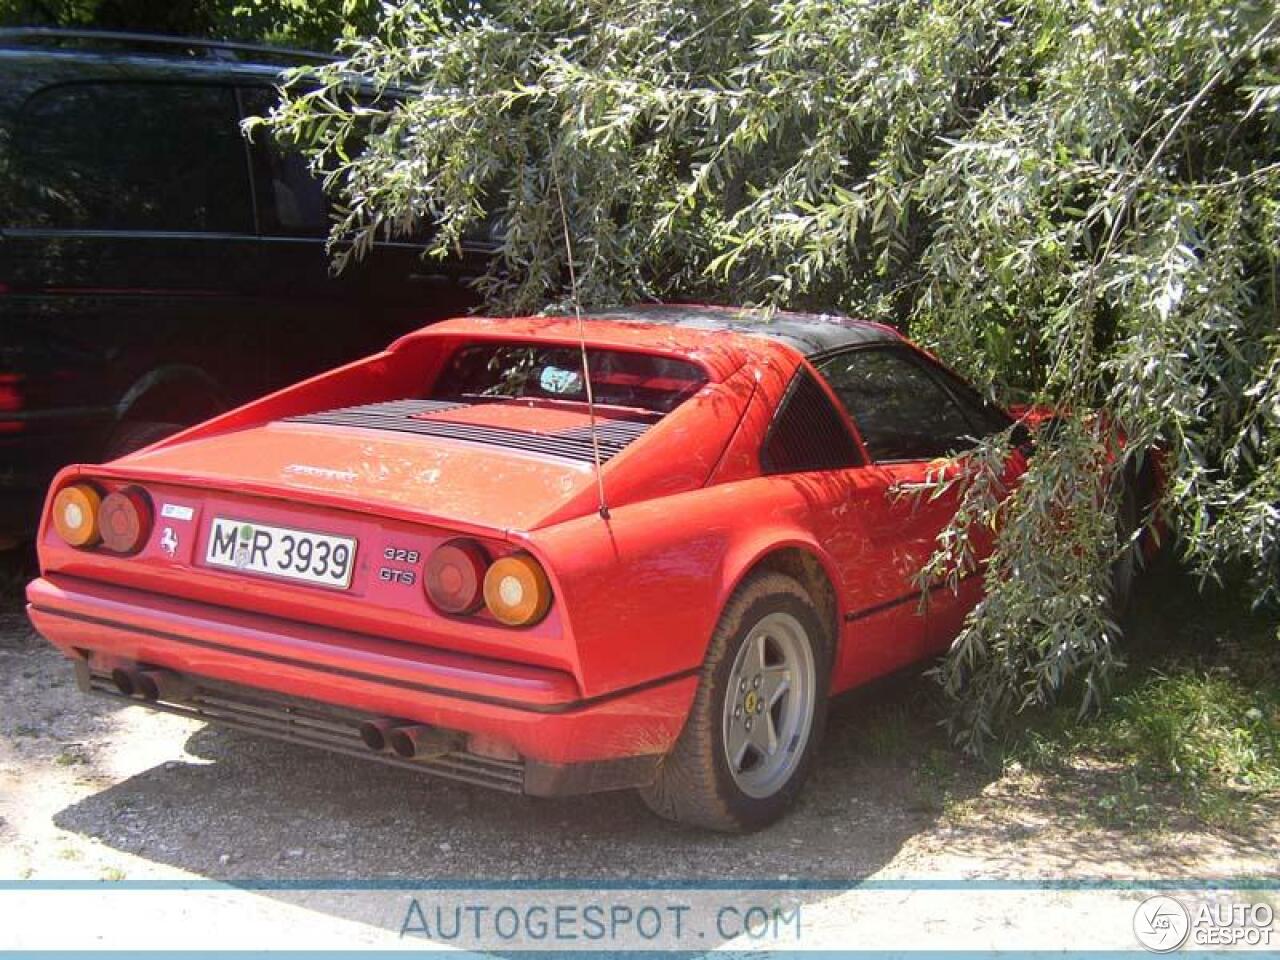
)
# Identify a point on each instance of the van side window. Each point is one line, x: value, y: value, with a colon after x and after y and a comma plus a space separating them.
x: 291, y: 202
x: 132, y: 156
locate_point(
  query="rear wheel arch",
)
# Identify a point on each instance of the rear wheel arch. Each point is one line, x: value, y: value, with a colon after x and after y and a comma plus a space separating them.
x: 805, y: 564
x: 159, y: 403
x: 173, y: 393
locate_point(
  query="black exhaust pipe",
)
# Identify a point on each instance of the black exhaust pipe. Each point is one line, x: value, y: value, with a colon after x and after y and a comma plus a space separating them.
x: 420, y: 742
x: 151, y: 684
x: 128, y: 682
x: 374, y: 733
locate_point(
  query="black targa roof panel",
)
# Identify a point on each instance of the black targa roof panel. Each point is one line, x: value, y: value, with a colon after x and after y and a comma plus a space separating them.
x: 809, y: 333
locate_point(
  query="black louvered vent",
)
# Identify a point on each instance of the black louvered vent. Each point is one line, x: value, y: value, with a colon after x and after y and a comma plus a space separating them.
x: 406, y: 416
x: 807, y: 432
x: 377, y: 414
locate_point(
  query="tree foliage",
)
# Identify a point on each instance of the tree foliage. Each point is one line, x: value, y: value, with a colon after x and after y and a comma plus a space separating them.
x: 1076, y: 203
x: 309, y: 24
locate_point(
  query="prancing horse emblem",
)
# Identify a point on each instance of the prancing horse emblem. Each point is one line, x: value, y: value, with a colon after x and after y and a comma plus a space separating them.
x: 169, y: 541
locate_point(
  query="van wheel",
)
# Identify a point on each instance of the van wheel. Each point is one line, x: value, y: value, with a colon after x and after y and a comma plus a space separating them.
x: 758, y: 715
x: 135, y: 434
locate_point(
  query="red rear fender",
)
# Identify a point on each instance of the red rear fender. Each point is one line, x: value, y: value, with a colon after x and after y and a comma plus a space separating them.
x: 641, y: 593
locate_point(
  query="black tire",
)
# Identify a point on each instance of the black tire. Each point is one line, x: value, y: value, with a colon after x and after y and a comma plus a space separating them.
x: 135, y: 434
x: 694, y: 784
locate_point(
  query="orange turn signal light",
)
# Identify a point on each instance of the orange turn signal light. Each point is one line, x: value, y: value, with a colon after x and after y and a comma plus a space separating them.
x: 75, y: 514
x: 517, y: 591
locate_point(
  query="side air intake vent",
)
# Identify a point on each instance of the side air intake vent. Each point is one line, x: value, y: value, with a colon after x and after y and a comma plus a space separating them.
x: 412, y: 416
x: 807, y: 432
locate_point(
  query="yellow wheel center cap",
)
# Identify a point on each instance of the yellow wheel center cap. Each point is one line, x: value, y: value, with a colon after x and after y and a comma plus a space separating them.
x: 751, y: 702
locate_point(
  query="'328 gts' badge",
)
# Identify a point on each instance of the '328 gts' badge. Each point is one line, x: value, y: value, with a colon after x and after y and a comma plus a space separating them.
x: 391, y: 574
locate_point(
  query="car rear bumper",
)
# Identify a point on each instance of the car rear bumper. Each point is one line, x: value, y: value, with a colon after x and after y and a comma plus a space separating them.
x: 538, y: 713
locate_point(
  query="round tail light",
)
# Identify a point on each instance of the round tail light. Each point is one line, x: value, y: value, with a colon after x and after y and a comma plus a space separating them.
x: 75, y: 514
x: 454, y: 577
x: 516, y: 590
x: 124, y: 520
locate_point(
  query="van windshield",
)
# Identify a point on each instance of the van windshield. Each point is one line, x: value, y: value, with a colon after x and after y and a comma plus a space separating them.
x: 619, y: 378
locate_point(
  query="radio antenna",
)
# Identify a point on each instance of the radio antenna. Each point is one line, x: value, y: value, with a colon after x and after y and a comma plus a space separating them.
x: 582, y: 338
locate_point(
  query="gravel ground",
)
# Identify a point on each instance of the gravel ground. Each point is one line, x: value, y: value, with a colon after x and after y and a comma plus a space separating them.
x: 93, y: 790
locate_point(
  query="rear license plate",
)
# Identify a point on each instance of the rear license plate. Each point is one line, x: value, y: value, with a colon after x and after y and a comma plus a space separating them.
x: 281, y: 552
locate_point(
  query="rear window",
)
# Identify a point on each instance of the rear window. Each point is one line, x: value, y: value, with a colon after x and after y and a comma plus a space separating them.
x: 530, y: 371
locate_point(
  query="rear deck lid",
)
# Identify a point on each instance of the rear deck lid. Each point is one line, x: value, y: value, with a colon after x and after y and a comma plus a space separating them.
x: 491, y: 466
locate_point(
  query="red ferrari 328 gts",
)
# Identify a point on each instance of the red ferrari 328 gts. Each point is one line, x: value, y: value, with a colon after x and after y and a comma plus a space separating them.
x: 412, y: 558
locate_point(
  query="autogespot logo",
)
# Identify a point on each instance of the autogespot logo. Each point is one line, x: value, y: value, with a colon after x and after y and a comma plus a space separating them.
x: 1161, y: 924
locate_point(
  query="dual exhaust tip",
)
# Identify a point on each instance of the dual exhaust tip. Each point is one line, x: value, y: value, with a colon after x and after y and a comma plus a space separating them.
x: 412, y: 741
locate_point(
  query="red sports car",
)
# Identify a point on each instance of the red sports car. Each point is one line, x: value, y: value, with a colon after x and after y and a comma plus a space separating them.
x: 444, y: 557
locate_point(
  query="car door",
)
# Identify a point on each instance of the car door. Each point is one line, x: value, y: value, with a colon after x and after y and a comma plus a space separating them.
x: 128, y: 223
x: 912, y: 426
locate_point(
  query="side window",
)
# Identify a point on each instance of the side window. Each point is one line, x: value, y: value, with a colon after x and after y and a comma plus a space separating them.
x: 291, y: 202
x: 902, y: 412
x: 807, y: 432
x: 986, y: 417
x: 132, y: 156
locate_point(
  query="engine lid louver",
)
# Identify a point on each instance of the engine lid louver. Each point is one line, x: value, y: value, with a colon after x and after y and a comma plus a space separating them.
x: 411, y: 416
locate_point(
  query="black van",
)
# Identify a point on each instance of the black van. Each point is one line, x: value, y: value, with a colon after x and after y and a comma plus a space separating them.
x: 156, y: 267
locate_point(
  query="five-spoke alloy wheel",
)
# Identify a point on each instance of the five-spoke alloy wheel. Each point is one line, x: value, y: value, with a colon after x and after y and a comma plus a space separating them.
x: 758, y: 714
x: 768, y: 709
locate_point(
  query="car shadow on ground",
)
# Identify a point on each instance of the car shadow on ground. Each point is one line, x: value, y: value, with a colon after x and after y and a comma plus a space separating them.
x: 242, y: 809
